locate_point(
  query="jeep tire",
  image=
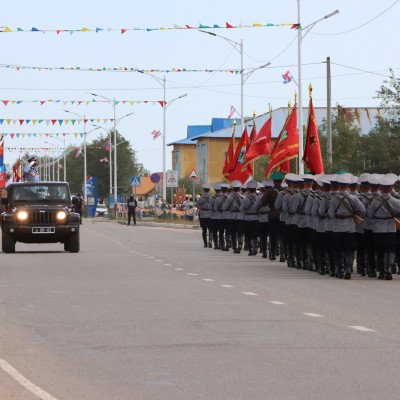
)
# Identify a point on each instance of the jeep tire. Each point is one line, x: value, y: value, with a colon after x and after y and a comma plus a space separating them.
x: 7, y: 243
x: 72, y: 243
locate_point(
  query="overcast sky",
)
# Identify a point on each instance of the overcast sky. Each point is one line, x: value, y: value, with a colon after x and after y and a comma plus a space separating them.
x: 372, y: 47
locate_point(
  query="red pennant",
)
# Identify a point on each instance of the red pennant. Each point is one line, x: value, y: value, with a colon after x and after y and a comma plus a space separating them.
x: 162, y: 103
x: 21, y: 121
x: 5, y: 102
x: 85, y: 120
x: 228, y: 25
x: 53, y: 121
x: 42, y: 102
x: 123, y: 30
x: 12, y: 135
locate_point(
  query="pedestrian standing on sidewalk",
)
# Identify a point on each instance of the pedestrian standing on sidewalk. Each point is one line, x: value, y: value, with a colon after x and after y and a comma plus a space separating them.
x: 132, y: 204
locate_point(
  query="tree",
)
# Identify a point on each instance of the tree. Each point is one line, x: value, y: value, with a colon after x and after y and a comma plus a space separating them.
x: 348, y: 145
x: 127, y: 166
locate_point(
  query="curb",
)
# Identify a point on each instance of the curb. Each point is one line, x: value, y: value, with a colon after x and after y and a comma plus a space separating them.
x: 165, y: 225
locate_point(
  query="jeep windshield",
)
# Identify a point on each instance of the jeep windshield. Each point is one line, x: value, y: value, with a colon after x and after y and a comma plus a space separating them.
x: 40, y: 193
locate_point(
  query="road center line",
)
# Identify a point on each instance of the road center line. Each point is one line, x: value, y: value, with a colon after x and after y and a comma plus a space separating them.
x: 227, y: 286
x: 191, y: 273
x: 167, y: 265
x: 159, y: 260
x: 361, y: 328
x: 178, y: 269
x: 208, y: 280
x: 278, y: 303
x: 250, y: 294
x: 27, y: 384
x: 313, y: 315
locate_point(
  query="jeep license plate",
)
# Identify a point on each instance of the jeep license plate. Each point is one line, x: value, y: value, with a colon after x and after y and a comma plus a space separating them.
x: 44, y: 230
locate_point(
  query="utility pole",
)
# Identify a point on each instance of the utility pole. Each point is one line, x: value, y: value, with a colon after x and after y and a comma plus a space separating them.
x: 299, y: 83
x: 164, y: 144
x: 115, y: 158
x: 328, y: 113
x: 242, y: 122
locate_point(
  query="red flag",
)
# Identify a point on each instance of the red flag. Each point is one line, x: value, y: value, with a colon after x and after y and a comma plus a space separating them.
x: 261, y: 144
x: 312, y: 157
x: 284, y: 167
x: 229, y: 154
x: 236, y: 172
x: 17, y: 172
x: 287, y: 144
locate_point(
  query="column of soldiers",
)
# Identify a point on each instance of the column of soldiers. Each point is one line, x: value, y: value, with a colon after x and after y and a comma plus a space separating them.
x: 328, y: 224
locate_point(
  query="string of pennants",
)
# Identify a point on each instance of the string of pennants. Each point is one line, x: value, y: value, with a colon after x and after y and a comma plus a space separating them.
x: 227, y: 25
x: 6, y: 102
x: 53, y: 121
x: 118, y: 69
x: 34, y: 135
x: 22, y: 149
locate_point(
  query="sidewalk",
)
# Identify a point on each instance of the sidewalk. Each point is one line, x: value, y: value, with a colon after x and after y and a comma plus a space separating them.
x: 164, y: 224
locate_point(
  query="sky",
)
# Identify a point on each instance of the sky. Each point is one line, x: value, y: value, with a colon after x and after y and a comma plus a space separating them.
x: 368, y: 48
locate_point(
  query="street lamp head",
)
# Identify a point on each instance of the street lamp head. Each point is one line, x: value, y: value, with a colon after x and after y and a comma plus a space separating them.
x: 331, y: 14
x: 208, y: 33
x: 265, y: 65
x: 184, y: 95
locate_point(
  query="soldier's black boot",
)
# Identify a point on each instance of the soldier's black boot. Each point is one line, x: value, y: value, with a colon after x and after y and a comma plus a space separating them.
x: 205, y: 239
x: 210, y: 244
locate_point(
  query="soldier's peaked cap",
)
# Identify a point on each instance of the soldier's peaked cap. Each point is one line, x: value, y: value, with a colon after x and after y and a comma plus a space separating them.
x: 236, y: 184
x: 252, y: 185
x: 206, y: 186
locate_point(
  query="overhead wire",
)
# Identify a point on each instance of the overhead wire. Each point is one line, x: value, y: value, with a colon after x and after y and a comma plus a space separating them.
x: 359, y: 26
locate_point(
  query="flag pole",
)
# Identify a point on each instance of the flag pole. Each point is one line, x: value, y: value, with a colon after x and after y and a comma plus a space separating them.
x: 255, y: 130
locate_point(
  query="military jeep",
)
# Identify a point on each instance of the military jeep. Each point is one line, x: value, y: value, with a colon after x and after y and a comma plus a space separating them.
x: 39, y: 212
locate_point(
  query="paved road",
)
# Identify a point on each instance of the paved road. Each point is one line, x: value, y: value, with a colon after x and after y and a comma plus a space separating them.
x: 148, y: 313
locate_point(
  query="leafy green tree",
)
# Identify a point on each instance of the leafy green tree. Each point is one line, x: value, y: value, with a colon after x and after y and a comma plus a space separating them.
x: 127, y: 166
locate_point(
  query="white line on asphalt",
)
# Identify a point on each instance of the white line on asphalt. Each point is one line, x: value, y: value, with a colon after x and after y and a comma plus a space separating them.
x: 228, y: 286
x: 278, y: 303
x: 313, y: 315
x: 158, y: 260
x: 250, y: 294
x: 167, y: 265
x: 191, y: 273
x: 362, y: 328
x: 149, y: 257
x: 208, y: 280
x: 178, y: 269
x: 37, y: 391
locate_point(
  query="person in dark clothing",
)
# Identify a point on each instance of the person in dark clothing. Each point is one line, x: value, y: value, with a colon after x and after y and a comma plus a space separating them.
x: 79, y: 206
x: 132, y: 204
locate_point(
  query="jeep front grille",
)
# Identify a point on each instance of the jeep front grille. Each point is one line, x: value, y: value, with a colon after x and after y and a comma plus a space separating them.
x: 41, y: 218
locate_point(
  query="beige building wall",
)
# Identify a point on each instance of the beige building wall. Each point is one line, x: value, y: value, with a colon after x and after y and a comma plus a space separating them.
x: 184, y: 159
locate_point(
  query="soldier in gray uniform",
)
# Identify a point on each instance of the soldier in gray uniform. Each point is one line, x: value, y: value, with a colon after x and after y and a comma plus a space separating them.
x: 220, y: 219
x: 381, y: 213
x: 263, y: 220
x: 343, y: 208
x: 373, y: 180
x: 365, y: 198
x: 31, y: 172
x: 249, y: 208
x: 292, y: 179
x: 301, y: 220
x: 233, y: 218
x: 214, y: 216
x: 204, y: 206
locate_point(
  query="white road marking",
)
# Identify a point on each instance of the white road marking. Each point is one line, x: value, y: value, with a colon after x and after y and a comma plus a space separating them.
x: 362, y: 328
x: 159, y: 260
x: 313, y: 315
x: 191, y: 273
x: 150, y: 257
x: 208, y: 280
x: 27, y: 384
x: 178, y: 269
x: 250, y: 294
x: 278, y: 303
x: 228, y: 286
x: 167, y: 265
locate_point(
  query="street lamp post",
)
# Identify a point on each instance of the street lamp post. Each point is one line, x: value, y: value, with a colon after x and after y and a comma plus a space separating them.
x: 300, y: 37
x: 163, y: 83
x: 243, y: 75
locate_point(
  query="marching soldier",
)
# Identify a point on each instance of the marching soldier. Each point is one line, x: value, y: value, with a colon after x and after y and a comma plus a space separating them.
x: 382, y: 212
x: 268, y: 199
x: 343, y: 209
x: 249, y: 208
x: 214, y: 216
x: 263, y: 221
x: 204, y: 205
x: 220, y: 219
x: 234, y: 219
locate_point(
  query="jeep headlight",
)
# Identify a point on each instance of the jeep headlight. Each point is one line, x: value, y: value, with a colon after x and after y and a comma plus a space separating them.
x: 22, y: 215
x: 61, y: 216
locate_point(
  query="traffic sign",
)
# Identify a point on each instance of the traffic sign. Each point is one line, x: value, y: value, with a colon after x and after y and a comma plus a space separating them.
x: 155, y: 178
x: 194, y: 176
x: 172, y: 178
x: 135, y: 181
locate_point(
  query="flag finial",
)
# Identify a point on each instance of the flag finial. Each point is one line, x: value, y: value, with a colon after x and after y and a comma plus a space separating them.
x: 295, y: 97
x: 234, y: 123
x: 270, y: 108
x: 310, y: 89
x: 246, y: 120
x: 254, y: 114
x: 289, y: 105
